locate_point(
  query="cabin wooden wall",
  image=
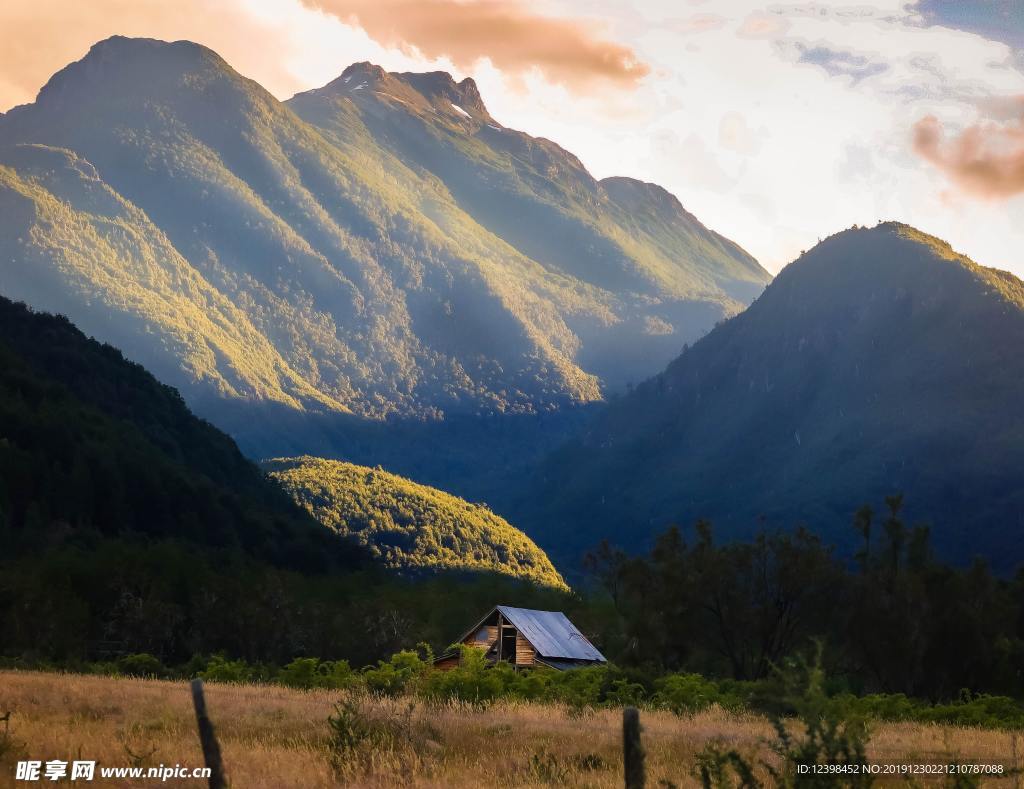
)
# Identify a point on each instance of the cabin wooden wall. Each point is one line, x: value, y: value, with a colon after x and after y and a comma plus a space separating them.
x: 524, y: 652
x: 492, y: 636
x: 447, y: 663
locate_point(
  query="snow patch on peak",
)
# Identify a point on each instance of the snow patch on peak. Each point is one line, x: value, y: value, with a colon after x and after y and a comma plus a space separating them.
x: 459, y: 109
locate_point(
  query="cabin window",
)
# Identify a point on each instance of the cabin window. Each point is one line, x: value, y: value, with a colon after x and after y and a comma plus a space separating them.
x: 481, y: 636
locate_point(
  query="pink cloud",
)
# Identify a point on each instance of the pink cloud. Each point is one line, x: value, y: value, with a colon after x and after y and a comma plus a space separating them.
x: 514, y: 38
x: 986, y: 159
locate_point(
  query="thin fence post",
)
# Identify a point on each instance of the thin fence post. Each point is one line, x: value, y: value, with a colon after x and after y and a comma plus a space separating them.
x: 632, y: 749
x: 208, y: 738
x: 1016, y: 761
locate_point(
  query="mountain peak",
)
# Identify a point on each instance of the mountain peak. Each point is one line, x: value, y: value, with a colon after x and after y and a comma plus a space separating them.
x: 861, y: 262
x: 364, y: 68
x: 440, y: 88
x: 471, y: 94
x: 116, y: 64
x: 360, y: 73
x: 435, y: 89
x: 857, y: 240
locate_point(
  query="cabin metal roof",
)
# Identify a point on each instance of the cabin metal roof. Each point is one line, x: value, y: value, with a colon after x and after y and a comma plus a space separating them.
x: 551, y: 634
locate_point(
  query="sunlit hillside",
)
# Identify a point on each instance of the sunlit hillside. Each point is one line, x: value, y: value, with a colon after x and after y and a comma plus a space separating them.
x: 411, y: 526
x: 249, y: 255
x: 665, y: 277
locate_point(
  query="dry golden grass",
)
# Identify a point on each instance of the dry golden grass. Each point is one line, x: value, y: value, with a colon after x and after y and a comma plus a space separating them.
x: 275, y: 738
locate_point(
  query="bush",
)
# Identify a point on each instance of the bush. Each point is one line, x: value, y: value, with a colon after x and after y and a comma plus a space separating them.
x: 220, y: 669
x: 308, y: 673
x: 982, y: 710
x: 348, y: 726
x: 472, y: 681
x: 141, y: 665
x: 684, y: 694
x: 827, y: 734
x: 394, y: 676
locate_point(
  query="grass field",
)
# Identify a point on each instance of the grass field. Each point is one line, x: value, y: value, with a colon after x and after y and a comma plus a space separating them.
x: 275, y: 738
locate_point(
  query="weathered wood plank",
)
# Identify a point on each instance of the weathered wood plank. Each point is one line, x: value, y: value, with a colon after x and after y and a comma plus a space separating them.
x: 525, y: 653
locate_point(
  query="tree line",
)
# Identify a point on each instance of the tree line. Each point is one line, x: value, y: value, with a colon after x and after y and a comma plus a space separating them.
x: 891, y: 619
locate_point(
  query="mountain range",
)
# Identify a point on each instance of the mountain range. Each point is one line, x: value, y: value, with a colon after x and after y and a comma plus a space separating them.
x: 879, y: 363
x: 92, y: 447
x: 380, y: 248
x: 128, y: 525
x: 380, y: 272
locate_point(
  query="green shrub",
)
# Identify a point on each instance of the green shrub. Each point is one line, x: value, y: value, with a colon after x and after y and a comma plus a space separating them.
x: 473, y: 680
x: 827, y: 734
x: 624, y: 693
x: 583, y: 687
x: 688, y: 693
x: 394, y: 676
x: 141, y: 665
x: 220, y: 669
x: 982, y: 710
x: 308, y: 673
x: 348, y: 726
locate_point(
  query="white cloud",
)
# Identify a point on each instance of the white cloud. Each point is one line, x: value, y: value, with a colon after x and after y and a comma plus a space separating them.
x: 832, y: 135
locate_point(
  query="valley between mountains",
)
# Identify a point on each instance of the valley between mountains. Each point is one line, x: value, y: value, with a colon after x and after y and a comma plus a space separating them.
x: 406, y: 301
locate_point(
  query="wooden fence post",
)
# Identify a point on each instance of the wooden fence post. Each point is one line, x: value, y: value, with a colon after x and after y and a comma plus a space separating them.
x: 632, y: 749
x: 1016, y: 761
x: 207, y: 738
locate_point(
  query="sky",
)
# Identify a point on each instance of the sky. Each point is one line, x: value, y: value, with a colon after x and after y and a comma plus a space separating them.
x: 776, y: 124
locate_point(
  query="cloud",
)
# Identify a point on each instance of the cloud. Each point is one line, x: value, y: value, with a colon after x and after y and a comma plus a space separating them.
x: 838, y: 63
x: 1002, y: 108
x: 695, y: 23
x: 736, y: 135
x: 761, y: 25
x: 690, y: 161
x: 512, y: 37
x: 986, y: 159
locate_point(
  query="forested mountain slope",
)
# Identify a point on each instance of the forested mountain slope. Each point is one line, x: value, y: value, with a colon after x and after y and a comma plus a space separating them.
x: 665, y: 276
x: 93, y: 447
x: 409, y: 526
x: 878, y: 363
x: 129, y: 525
x: 257, y: 259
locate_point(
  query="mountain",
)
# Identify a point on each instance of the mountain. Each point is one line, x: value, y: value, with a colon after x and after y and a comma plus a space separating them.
x: 665, y: 276
x: 409, y: 526
x: 880, y: 362
x: 128, y: 525
x: 93, y: 447
x: 274, y: 261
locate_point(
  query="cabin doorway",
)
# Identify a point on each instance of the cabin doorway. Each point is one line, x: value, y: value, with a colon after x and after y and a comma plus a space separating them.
x: 508, y: 644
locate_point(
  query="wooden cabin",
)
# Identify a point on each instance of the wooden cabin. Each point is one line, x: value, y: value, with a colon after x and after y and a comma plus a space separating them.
x: 525, y: 637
